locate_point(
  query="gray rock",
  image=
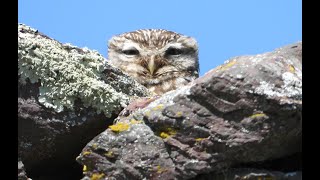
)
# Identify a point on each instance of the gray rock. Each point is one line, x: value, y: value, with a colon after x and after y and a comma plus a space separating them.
x: 22, y: 175
x: 251, y: 174
x: 66, y: 96
x: 246, y: 110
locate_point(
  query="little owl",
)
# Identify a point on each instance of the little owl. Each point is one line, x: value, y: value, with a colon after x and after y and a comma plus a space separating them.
x: 159, y: 59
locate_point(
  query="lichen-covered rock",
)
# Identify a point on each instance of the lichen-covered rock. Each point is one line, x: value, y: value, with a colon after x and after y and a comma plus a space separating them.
x: 117, y: 153
x: 67, y: 73
x: 247, y: 110
x: 66, y: 96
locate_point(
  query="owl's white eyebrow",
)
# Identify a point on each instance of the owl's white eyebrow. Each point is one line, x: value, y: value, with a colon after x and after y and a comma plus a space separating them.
x: 128, y: 46
x: 174, y: 45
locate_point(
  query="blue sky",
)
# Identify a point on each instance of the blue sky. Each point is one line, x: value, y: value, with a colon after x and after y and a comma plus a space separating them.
x: 223, y: 29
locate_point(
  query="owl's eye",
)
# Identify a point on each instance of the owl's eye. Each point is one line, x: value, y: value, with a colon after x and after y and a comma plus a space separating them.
x: 173, y: 51
x: 130, y: 52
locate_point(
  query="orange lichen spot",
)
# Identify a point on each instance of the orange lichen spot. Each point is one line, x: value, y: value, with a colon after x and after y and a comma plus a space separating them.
x: 292, y: 69
x: 258, y: 115
x: 133, y: 121
x: 167, y: 133
x: 84, y: 168
x: 119, y: 127
x: 96, y: 176
x: 158, y: 107
x: 86, y: 153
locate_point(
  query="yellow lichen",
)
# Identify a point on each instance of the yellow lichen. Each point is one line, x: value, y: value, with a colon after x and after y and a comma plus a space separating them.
x: 86, y: 153
x: 96, y: 176
x: 147, y: 113
x: 164, y: 135
x: 119, y: 127
x: 292, y: 69
x: 109, y: 154
x: 94, y: 146
x: 257, y: 115
x: 199, y: 139
x: 168, y: 132
x: 133, y: 121
x: 160, y: 169
x: 179, y: 114
x: 158, y: 107
x: 84, y: 168
x: 226, y: 66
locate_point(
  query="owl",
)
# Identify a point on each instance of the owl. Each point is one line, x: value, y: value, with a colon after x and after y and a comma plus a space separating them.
x: 160, y: 60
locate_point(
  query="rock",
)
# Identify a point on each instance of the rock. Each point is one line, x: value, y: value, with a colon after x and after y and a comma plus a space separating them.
x: 252, y: 174
x: 22, y: 175
x: 246, y: 110
x: 66, y: 96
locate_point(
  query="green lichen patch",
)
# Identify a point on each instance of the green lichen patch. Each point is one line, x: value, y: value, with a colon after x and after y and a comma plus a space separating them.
x: 66, y: 73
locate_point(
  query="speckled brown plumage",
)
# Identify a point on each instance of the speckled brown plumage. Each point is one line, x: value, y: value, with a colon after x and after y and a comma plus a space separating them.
x: 159, y: 59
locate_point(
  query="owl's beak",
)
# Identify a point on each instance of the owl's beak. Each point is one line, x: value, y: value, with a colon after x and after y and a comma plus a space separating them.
x: 152, y: 66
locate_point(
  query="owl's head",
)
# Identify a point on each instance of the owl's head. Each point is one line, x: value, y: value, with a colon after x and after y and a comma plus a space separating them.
x: 153, y: 56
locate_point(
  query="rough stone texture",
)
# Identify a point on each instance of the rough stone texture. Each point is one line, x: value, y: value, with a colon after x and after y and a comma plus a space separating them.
x: 21, y: 172
x: 252, y: 174
x: 66, y: 96
x: 246, y: 110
